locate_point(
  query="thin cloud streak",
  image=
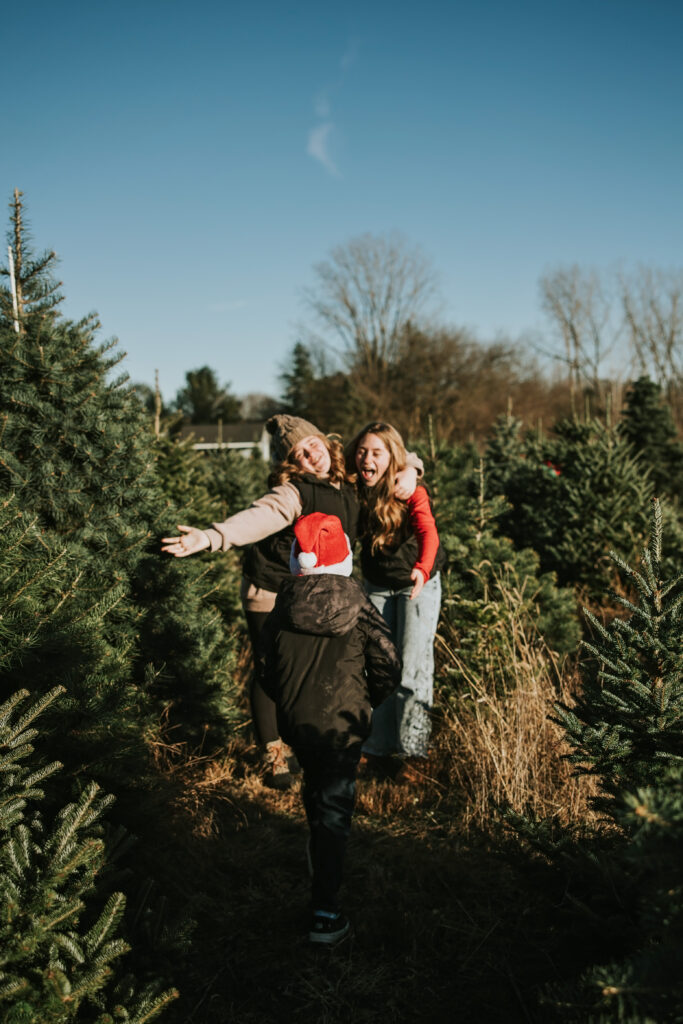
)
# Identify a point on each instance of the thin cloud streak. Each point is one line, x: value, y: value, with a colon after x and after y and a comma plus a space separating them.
x: 318, y: 141
x: 319, y: 137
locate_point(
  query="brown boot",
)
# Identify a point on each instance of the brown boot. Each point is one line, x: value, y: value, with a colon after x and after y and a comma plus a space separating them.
x: 277, y: 774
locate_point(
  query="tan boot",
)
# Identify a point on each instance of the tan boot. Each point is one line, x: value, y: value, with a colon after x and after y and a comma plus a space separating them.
x: 277, y: 775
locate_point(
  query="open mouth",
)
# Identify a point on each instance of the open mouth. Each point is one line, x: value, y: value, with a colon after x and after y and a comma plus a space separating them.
x: 368, y: 473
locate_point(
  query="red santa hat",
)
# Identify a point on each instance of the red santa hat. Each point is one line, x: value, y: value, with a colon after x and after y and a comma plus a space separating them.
x: 320, y: 546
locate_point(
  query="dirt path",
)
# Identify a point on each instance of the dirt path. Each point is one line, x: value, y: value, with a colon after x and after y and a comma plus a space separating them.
x: 444, y: 928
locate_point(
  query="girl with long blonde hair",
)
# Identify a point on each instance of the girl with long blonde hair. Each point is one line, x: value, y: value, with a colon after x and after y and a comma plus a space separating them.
x: 401, y: 557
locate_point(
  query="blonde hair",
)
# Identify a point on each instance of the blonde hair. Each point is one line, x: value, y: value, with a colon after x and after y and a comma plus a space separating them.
x: 288, y: 469
x: 383, y: 515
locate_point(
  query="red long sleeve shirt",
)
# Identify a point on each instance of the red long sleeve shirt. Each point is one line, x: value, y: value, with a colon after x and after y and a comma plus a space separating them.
x: 424, y: 528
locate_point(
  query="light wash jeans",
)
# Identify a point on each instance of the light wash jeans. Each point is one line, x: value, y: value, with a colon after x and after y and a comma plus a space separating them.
x: 402, y: 723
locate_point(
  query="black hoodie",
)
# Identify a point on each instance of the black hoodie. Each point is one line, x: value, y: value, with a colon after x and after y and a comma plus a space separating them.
x: 328, y: 659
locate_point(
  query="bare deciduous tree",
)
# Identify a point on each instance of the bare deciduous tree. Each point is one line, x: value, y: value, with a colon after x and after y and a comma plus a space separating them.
x: 581, y: 311
x: 652, y: 301
x: 363, y: 297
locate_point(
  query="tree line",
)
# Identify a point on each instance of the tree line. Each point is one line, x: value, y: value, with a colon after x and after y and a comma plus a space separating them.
x: 374, y: 348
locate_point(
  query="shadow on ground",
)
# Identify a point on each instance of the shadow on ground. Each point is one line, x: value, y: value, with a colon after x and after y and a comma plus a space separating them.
x: 444, y: 927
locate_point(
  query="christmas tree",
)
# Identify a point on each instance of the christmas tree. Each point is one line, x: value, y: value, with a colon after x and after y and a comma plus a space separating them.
x: 58, y: 948
x: 573, y: 496
x: 76, y: 449
x: 623, y: 884
x: 647, y: 424
x: 484, y: 567
x: 627, y: 725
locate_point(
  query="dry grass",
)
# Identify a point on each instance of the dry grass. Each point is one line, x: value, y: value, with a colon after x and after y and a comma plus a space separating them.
x: 499, y: 746
x: 449, y: 912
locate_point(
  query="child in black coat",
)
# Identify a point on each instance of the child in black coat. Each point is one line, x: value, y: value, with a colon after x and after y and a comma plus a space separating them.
x: 328, y: 659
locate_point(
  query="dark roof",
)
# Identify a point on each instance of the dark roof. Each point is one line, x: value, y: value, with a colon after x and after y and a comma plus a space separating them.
x: 236, y: 433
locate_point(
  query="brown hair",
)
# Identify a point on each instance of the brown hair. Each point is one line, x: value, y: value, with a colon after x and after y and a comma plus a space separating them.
x: 288, y: 468
x: 383, y: 515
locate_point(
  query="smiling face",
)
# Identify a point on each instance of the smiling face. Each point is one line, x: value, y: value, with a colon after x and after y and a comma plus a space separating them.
x: 372, y: 459
x: 312, y: 456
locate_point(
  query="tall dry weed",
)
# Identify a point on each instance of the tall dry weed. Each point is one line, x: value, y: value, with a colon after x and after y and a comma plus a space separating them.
x: 499, y: 747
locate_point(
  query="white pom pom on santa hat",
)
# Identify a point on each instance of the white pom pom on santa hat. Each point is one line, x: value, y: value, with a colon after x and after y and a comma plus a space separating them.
x: 320, y: 546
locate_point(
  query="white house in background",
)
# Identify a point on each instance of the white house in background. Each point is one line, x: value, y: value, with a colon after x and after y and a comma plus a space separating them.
x: 239, y: 437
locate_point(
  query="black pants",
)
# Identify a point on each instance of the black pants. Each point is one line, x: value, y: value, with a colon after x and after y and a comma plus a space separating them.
x: 263, y: 713
x: 329, y: 791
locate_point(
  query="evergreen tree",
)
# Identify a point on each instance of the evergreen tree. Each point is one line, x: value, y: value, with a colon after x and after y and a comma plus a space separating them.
x: 58, y: 949
x: 627, y: 725
x: 627, y: 894
x: 53, y: 629
x: 204, y: 400
x: 647, y: 424
x: 623, y: 886
x: 330, y: 400
x: 298, y: 380
x: 77, y: 450
x: 484, y: 567
x: 207, y: 487
x: 573, y: 496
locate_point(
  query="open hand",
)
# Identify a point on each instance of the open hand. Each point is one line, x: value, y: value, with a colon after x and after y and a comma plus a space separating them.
x: 191, y: 541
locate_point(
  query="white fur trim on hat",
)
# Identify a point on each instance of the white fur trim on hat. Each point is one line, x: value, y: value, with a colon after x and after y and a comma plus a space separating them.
x: 298, y: 568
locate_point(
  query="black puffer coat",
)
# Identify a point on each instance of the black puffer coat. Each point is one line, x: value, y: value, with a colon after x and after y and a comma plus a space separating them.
x: 328, y: 658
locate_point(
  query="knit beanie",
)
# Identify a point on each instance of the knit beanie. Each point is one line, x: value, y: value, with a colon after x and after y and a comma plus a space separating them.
x: 320, y: 546
x: 287, y: 431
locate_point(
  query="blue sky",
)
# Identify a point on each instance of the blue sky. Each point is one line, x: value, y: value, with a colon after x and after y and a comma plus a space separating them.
x: 191, y: 162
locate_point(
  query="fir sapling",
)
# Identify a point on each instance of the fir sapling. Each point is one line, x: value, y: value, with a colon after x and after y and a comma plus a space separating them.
x: 58, y: 951
x: 627, y: 725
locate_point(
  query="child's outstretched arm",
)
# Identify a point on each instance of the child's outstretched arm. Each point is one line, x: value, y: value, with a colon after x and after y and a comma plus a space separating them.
x: 189, y: 542
x: 424, y: 527
x: 280, y: 507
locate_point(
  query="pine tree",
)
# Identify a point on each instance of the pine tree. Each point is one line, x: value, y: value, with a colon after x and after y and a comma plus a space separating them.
x: 76, y: 448
x: 204, y: 400
x: 573, y: 497
x: 623, y: 885
x: 298, y: 379
x: 484, y: 567
x: 647, y: 424
x: 58, y: 949
x: 631, y: 900
x: 627, y: 725
x: 52, y: 630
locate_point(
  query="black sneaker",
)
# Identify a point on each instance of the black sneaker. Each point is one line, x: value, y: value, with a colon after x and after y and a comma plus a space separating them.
x: 328, y: 930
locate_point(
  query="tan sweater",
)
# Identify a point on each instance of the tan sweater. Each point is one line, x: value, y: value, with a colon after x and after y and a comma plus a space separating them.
x: 279, y: 508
